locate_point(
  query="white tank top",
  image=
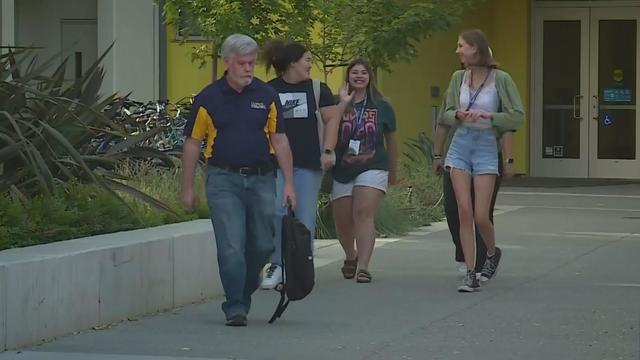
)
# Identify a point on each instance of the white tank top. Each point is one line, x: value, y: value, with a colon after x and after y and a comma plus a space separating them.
x: 486, y: 100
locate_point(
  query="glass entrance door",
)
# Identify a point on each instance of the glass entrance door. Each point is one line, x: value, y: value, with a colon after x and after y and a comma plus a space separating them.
x: 613, y: 143
x: 585, y: 81
x: 561, y: 83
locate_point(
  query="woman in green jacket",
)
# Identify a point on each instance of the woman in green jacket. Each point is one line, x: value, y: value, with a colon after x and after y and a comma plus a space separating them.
x: 480, y: 101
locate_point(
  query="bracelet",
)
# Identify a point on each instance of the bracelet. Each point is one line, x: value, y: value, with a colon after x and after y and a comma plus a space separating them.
x: 437, y: 156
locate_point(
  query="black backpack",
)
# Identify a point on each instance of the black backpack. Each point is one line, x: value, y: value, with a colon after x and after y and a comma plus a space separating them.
x: 297, y: 263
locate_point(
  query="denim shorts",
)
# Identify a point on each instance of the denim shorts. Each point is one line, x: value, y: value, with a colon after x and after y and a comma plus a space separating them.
x: 474, y: 151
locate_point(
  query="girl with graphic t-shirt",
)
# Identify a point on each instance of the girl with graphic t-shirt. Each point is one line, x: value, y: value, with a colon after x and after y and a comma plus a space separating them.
x: 364, y: 167
x: 292, y: 63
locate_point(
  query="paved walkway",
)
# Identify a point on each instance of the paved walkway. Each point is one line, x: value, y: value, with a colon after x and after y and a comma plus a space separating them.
x: 568, y: 288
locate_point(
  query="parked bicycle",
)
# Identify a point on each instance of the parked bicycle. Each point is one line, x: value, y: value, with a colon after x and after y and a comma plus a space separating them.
x: 162, y: 117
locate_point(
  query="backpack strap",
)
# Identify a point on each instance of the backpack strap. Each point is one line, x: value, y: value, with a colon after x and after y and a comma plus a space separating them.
x: 316, y: 95
x: 316, y: 92
x: 282, y: 306
x: 282, y: 289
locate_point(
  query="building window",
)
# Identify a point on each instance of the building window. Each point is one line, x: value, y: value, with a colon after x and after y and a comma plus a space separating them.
x: 188, y: 29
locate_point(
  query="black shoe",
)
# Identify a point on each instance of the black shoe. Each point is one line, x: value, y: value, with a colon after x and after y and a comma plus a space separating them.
x: 470, y: 282
x: 237, y: 320
x: 491, y: 266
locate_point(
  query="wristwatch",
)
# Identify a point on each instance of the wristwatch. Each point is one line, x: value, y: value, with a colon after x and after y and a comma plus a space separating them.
x: 510, y: 161
x: 328, y: 151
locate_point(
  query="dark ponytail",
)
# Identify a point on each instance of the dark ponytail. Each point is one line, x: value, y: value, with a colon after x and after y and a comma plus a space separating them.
x: 279, y: 55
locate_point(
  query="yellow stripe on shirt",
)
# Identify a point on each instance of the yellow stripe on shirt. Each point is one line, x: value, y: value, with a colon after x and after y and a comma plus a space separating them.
x: 204, y: 128
x: 270, y: 126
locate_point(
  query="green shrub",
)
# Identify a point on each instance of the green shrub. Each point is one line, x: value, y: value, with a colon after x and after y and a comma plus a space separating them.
x: 163, y: 184
x: 392, y: 217
x: 70, y: 211
x: 76, y: 210
x: 325, y: 227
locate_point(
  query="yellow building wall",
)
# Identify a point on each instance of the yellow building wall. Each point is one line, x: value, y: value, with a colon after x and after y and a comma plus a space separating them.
x: 184, y: 78
x: 510, y: 39
x: 408, y: 85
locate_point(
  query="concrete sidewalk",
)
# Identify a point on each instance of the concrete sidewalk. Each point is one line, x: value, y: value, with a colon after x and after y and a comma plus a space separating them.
x: 568, y: 288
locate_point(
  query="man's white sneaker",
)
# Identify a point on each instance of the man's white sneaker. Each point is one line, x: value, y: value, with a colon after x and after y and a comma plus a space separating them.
x: 462, y: 267
x: 272, y: 278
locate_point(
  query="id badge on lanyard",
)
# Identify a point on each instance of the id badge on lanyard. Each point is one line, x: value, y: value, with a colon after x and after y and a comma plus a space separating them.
x: 354, y: 147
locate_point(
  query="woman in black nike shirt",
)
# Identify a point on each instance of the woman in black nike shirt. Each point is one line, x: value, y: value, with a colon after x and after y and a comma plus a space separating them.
x: 312, y: 139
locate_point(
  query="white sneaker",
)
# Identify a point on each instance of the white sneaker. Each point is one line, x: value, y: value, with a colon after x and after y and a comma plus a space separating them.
x: 462, y: 267
x: 272, y: 278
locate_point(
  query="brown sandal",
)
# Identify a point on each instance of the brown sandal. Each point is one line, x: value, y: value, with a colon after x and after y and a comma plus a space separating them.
x: 349, y: 268
x: 363, y: 276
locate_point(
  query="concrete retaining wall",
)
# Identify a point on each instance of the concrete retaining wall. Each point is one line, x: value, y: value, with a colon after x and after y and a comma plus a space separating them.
x: 56, y: 289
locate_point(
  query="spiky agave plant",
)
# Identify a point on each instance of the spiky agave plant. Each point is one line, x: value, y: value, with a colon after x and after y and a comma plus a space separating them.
x: 46, y: 122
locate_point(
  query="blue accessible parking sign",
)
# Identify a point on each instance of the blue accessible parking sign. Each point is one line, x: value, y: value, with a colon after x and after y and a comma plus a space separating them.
x: 607, y: 120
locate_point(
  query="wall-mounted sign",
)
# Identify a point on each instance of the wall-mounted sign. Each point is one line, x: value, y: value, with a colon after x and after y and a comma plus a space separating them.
x: 618, y: 75
x: 607, y: 120
x: 558, y: 151
x: 617, y: 95
x: 548, y: 151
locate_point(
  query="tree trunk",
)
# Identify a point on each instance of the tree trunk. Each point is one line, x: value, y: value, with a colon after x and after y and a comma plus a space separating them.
x: 214, y: 65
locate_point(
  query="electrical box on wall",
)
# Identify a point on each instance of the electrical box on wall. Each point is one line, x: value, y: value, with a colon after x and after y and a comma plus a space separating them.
x: 435, y: 91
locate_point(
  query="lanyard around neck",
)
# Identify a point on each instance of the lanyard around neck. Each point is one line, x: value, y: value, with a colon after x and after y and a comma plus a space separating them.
x: 360, y: 115
x: 474, y: 97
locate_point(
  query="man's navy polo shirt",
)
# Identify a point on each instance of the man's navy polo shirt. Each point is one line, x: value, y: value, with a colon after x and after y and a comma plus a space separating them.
x: 236, y: 125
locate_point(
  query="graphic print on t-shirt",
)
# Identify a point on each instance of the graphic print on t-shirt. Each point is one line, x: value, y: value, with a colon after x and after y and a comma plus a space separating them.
x: 294, y: 105
x: 365, y: 132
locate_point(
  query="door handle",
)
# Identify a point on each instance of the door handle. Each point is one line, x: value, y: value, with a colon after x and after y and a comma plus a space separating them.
x: 576, y: 109
x: 596, y: 107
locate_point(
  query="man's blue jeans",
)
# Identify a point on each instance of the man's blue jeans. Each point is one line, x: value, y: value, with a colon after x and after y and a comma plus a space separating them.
x: 307, y: 186
x: 242, y: 211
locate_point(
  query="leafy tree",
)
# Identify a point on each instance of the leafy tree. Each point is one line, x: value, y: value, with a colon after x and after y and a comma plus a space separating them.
x: 217, y: 19
x: 384, y: 31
